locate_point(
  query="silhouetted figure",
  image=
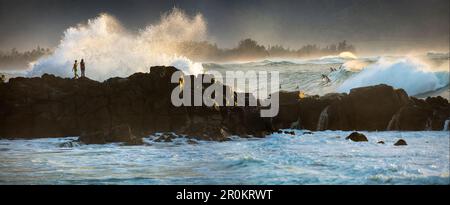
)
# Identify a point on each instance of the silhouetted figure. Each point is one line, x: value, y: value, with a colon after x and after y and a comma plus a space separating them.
x: 75, y: 68
x: 2, y: 78
x: 82, y: 68
x: 326, y: 78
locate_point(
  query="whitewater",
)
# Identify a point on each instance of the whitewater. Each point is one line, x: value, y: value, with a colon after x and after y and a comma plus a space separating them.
x: 324, y: 157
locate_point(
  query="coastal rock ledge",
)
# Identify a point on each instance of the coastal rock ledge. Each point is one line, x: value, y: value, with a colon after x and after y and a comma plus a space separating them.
x: 140, y: 105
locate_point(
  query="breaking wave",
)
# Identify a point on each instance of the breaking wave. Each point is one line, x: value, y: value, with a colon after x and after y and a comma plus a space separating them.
x: 110, y: 50
x: 414, y: 76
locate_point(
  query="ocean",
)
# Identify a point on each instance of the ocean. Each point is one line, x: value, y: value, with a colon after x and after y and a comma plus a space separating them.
x: 323, y: 157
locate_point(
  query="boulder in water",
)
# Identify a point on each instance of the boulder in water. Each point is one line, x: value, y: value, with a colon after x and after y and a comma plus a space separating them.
x: 357, y: 137
x: 400, y: 142
x: 380, y: 142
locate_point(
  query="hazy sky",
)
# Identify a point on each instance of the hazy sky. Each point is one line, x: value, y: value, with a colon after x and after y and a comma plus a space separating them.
x: 372, y: 25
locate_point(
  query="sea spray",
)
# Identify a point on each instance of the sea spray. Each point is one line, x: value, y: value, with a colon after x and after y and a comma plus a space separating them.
x: 110, y: 50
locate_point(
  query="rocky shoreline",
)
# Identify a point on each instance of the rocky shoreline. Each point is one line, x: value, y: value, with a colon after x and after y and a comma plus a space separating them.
x: 127, y: 109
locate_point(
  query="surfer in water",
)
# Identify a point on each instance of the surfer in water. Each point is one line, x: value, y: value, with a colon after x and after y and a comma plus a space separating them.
x: 325, y: 78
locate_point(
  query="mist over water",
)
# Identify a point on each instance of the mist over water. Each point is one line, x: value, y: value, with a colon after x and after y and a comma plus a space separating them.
x: 109, y: 50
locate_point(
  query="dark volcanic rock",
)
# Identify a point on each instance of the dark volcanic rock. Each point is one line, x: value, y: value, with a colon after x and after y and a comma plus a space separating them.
x: 357, y: 137
x: 366, y: 108
x: 51, y: 106
x: 311, y: 108
x: 378, y: 107
x: 400, y: 142
x: 288, y: 110
x: 380, y: 142
x: 125, y: 109
x: 429, y: 114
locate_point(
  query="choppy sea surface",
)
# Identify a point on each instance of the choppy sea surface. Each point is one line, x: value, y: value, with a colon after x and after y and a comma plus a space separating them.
x: 320, y: 158
x: 420, y: 76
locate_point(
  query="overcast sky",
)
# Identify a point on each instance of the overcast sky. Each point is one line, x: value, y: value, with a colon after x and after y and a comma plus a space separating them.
x: 382, y: 25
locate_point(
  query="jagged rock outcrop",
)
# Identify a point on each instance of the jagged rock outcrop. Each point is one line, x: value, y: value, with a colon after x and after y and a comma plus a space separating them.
x: 378, y: 107
x: 366, y: 108
x: 51, y: 106
x: 419, y: 114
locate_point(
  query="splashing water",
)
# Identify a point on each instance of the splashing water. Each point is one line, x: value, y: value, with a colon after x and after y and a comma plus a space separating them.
x: 110, y: 50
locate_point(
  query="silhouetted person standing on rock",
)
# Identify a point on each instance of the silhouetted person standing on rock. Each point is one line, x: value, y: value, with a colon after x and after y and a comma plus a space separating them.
x: 75, y: 65
x: 82, y: 68
x: 2, y: 78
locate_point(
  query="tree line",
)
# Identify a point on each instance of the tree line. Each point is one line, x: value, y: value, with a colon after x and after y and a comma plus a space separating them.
x: 251, y: 49
x: 13, y: 59
x: 246, y: 49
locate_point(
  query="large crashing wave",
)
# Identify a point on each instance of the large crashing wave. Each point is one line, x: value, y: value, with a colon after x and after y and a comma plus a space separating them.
x: 110, y: 50
x: 414, y: 76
